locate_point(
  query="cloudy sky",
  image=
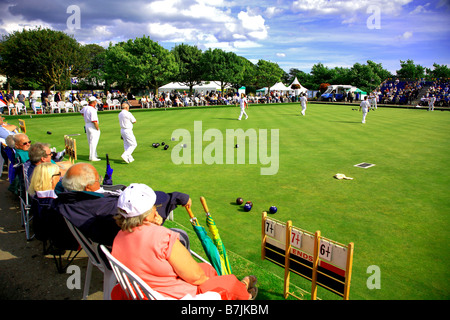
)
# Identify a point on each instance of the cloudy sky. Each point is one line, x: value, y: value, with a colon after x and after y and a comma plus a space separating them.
x: 294, y: 34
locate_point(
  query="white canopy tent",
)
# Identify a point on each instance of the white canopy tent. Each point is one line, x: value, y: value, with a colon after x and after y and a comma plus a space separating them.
x: 276, y: 87
x: 205, y: 86
x: 279, y: 87
x: 302, y: 88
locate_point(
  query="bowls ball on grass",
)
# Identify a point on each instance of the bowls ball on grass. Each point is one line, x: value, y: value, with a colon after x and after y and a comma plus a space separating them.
x: 273, y: 209
x: 239, y: 201
x: 247, y: 207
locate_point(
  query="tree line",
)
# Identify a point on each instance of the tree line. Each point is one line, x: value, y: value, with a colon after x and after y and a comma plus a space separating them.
x: 47, y: 59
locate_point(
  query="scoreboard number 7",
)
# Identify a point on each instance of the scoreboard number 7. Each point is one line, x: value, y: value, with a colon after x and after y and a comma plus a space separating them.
x: 270, y: 228
x: 296, y: 239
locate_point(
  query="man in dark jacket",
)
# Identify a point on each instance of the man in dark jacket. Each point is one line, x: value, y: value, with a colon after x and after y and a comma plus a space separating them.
x: 91, y: 209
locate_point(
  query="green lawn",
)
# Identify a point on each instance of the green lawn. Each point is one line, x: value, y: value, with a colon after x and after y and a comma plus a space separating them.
x: 396, y: 212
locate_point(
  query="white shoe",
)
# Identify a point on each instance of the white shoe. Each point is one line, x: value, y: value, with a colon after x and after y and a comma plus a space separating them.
x: 130, y: 158
x: 125, y: 159
x: 96, y: 159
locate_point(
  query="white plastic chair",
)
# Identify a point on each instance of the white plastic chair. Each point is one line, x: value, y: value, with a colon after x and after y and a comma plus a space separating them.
x: 137, y: 289
x: 11, y: 106
x: 53, y: 106
x: 21, y: 107
x: 116, y: 103
x: 61, y: 106
x: 37, y: 106
x: 69, y: 106
x: 92, y: 250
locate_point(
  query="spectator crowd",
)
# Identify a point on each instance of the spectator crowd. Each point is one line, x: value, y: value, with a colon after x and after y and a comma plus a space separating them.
x: 56, y: 194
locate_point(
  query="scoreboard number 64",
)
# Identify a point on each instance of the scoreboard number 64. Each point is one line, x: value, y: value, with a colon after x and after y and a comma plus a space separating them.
x: 325, y: 250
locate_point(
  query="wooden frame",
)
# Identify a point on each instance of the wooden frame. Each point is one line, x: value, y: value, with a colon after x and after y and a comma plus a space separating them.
x: 324, y: 262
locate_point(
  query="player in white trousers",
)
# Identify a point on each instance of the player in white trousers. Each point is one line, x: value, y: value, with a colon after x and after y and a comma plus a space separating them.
x: 126, y: 121
x: 92, y: 127
x: 431, y: 102
x: 243, y: 104
x: 364, y: 106
x: 303, y: 102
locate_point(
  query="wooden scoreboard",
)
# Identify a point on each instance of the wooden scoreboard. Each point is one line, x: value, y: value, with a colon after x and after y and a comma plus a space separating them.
x: 324, y: 262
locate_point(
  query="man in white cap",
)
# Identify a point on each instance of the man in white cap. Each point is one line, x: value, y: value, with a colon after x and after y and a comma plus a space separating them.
x: 126, y: 121
x: 92, y: 128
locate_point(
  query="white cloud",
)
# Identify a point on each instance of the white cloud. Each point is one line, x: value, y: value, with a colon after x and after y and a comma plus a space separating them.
x: 347, y: 6
x: 281, y: 55
x: 254, y: 24
x: 420, y: 9
x: 406, y: 35
x: 273, y: 11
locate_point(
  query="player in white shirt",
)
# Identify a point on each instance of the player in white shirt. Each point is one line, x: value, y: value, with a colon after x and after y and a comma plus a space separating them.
x: 126, y: 121
x: 364, y: 106
x: 244, y: 105
x: 89, y: 113
x: 303, y: 102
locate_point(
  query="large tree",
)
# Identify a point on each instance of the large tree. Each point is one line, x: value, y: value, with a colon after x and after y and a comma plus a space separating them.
x: 409, y: 70
x: 141, y: 63
x: 225, y: 67
x: 439, y: 71
x: 268, y: 73
x: 89, y: 65
x: 188, y: 59
x: 42, y: 56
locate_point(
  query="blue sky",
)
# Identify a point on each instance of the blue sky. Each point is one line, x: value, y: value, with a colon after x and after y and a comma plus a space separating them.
x: 294, y: 34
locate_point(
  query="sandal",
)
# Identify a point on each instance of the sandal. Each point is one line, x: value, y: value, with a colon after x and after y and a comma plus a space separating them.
x: 250, y: 281
x: 253, y: 292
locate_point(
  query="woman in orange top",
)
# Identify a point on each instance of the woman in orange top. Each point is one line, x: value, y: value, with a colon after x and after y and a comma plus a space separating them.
x: 156, y: 255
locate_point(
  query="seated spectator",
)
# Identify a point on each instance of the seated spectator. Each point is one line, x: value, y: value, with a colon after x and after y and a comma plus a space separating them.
x: 40, y: 153
x: 91, y: 209
x: 156, y: 255
x: 21, y: 145
x: 48, y: 225
x: 6, y: 129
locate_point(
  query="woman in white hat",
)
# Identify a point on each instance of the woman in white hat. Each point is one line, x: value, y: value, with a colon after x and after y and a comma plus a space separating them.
x: 156, y: 255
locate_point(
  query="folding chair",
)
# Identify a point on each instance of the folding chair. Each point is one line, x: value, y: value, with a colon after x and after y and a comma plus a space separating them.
x: 50, y: 227
x: 136, y: 289
x: 95, y: 259
x: 132, y: 285
x: 24, y: 198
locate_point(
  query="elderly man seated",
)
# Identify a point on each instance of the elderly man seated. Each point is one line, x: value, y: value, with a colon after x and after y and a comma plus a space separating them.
x: 82, y: 200
x: 21, y: 145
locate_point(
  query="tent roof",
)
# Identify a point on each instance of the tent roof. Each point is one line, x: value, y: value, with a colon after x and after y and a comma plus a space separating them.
x: 211, y: 85
x: 280, y: 87
x: 302, y: 88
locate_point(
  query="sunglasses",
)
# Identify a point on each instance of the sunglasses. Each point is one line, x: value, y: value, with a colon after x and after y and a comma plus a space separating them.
x: 56, y: 175
x: 27, y: 142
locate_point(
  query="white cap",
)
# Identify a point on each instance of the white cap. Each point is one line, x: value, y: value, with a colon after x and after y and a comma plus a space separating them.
x: 136, y: 199
x: 92, y: 98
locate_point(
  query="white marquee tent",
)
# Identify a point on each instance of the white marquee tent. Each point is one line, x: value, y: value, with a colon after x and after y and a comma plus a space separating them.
x: 302, y: 88
x: 276, y: 87
x: 205, y: 86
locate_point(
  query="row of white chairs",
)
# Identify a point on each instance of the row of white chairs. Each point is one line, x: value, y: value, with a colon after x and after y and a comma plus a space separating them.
x: 54, y: 106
